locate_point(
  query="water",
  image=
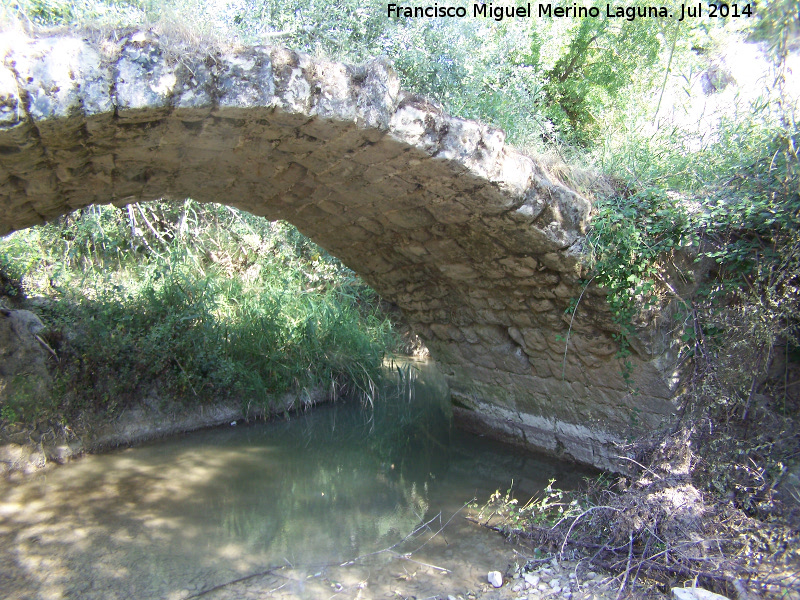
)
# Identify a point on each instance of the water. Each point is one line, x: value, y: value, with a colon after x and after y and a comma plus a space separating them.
x: 289, y: 500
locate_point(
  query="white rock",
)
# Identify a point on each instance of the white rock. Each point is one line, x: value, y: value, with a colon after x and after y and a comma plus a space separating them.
x: 543, y: 587
x: 555, y: 583
x: 517, y: 588
x: 591, y: 575
x: 695, y: 594
x: 531, y: 579
x: 495, y: 578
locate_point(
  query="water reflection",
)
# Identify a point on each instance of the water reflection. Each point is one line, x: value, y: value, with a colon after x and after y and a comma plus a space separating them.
x: 174, y: 518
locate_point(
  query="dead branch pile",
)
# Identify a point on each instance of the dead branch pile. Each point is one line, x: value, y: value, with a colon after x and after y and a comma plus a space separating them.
x: 657, y: 525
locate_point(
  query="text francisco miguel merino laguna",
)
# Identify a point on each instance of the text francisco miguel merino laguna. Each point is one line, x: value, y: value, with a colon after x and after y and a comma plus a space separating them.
x: 498, y: 13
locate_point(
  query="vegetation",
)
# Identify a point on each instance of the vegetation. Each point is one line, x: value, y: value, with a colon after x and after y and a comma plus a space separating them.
x: 658, y: 532
x: 199, y: 302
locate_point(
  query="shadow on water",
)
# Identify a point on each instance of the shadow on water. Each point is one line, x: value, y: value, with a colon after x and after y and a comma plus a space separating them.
x: 174, y: 518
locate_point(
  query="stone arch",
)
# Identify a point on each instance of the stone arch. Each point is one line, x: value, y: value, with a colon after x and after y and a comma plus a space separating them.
x: 474, y: 241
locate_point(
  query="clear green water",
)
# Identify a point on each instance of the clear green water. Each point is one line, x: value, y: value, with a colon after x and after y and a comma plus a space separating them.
x: 175, y: 518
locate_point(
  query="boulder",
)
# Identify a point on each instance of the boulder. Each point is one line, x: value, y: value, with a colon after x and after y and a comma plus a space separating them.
x: 24, y: 357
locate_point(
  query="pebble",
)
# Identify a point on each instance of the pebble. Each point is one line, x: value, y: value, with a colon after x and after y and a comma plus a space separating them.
x: 495, y: 578
x: 554, y: 580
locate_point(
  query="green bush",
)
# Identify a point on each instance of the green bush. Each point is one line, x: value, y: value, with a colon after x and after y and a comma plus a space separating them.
x: 236, y: 308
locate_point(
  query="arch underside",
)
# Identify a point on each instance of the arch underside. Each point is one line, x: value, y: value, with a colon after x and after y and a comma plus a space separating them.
x: 476, y: 243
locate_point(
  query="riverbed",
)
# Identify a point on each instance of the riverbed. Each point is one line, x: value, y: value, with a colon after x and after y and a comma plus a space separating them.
x: 346, y: 500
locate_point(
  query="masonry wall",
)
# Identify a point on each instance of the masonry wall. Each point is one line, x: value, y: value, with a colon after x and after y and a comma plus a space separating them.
x: 477, y: 244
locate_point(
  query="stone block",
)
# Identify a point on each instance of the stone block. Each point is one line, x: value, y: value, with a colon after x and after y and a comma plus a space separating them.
x: 450, y: 212
x: 458, y: 272
x: 12, y: 110
x: 409, y: 219
x: 143, y: 82
x: 534, y: 339
x: 63, y: 77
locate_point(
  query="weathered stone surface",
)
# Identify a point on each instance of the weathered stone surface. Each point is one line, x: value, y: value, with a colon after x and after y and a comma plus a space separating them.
x: 474, y: 241
x: 24, y: 376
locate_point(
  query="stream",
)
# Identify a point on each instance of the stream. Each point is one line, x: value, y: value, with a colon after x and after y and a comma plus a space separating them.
x: 342, y: 501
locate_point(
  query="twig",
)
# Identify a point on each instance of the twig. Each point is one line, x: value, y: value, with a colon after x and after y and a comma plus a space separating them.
x: 639, y: 568
x: 408, y: 558
x: 188, y: 379
x: 753, y: 386
x: 443, y: 526
x: 586, y: 512
x: 653, y: 473
x: 47, y: 346
x: 233, y: 582
x: 529, y: 560
x: 392, y: 547
x: 569, y: 331
x: 277, y: 588
x: 150, y: 225
x: 667, y: 70
x: 628, y: 567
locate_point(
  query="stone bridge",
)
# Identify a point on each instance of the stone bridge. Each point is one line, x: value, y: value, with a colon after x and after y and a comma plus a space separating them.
x: 477, y: 243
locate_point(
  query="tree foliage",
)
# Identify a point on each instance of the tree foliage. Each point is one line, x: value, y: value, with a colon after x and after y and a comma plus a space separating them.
x: 600, y: 59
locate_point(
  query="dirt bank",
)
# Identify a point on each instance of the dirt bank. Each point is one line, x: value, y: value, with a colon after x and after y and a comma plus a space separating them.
x: 25, y: 450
